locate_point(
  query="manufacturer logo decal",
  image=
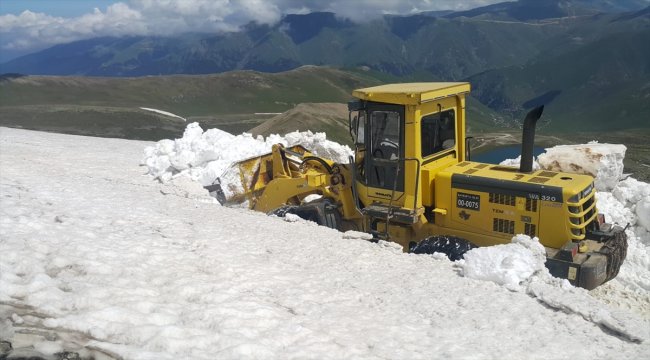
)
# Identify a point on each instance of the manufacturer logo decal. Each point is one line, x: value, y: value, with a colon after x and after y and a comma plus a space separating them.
x: 468, y: 201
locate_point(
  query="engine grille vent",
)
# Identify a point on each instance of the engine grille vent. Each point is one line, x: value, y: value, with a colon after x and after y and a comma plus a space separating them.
x: 470, y: 171
x: 464, y: 163
x: 503, y: 226
x: 538, y: 180
x: 502, y: 199
x: 582, y: 213
x: 530, y: 229
x: 531, y: 205
x: 481, y: 166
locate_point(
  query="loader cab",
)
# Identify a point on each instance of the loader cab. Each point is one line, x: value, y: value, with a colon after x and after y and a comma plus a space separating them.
x: 403, y: 135
x: 378, y: 133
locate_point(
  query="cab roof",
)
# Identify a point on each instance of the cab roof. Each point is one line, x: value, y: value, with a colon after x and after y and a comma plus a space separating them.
x: 411, y: 93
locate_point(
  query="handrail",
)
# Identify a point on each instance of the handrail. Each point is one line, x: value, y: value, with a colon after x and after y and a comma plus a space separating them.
x: 355, y: 195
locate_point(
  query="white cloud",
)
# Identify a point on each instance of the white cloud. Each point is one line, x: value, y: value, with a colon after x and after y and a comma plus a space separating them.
x: 33, y: 31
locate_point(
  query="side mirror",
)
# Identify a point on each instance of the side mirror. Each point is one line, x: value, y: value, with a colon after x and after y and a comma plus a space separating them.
x: 354, y: 122
x: 468, y: 148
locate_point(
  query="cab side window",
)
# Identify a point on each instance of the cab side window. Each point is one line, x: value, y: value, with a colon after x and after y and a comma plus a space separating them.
x: 385, y: 135
x: 384, y: 152
x: 438, y: 132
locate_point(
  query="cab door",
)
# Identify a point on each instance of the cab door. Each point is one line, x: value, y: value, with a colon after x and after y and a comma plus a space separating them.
x: 384, y: 160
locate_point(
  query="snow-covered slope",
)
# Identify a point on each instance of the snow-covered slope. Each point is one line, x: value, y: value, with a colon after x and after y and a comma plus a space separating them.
x: 96, y: 256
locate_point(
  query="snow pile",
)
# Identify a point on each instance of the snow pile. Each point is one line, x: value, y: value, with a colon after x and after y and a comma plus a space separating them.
x: 205, y: 155
x: 519, y: 266
x: 558, y: 294
x: 509, y: 265
x: 162, y: 112
x: 602, y: 161
x: 515, y: 162
x: 629, y: 203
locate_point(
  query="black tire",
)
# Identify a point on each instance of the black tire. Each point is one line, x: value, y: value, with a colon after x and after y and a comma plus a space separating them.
x: 322, y: 212
x: 452, y: 246
x: 282, y: 210
x: 615, y: 248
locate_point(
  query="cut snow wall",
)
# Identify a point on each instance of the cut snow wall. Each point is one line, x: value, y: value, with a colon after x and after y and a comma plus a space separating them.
x: 602, y: 161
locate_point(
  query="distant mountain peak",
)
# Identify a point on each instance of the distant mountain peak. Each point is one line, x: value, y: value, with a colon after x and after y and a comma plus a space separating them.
x: 526, y: 10
x: 302, y: 27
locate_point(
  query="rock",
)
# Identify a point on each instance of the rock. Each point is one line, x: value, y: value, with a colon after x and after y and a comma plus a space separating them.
x: 5, y: 348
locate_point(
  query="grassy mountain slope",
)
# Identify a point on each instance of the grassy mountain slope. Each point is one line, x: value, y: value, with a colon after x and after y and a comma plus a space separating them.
x: 526, y: 10
x: 603, y: 85
x: 330, y: 118
x: 438, y: 48
x: 90, y: 104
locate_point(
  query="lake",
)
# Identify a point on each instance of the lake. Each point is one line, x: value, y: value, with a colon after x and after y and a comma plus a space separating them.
x: 499, y: 154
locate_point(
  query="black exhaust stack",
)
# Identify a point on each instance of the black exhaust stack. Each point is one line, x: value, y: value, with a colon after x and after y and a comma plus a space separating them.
x: 528, y: 139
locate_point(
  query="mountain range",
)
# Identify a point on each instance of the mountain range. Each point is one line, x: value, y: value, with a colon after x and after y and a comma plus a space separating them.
x: 587, y: 60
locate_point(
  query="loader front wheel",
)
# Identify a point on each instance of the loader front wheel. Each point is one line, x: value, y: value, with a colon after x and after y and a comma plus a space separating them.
x: 452, y: 246
x: 323, y: 212
x: 283, y: 210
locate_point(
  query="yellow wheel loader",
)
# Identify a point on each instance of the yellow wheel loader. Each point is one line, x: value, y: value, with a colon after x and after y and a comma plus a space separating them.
x: 411, y: 182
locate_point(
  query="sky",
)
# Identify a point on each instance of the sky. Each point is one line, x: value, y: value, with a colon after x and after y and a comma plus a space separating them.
x: 31, y: 25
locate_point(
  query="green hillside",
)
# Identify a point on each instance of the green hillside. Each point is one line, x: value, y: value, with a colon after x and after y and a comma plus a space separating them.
x: 235, y: 101
x: 330, y: 118
x: 599, y: 86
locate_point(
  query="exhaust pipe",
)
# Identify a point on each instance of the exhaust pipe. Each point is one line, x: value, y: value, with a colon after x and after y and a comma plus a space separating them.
x: 528, y: 139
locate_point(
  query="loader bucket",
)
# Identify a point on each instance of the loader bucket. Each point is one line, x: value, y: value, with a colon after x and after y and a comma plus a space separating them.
x: 245, y: 180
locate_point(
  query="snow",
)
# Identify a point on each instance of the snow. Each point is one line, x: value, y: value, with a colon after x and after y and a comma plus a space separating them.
x: 623, y: 206
x: 519, y: 266
x: 602, y: 161
x: 101, y: 259
x: 204, y: 156
x: 509, y: 265
x: 166, y: 113
x: 515, y: 163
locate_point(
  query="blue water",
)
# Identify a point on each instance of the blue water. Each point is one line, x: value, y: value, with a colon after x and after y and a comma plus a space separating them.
x: 499, y: 154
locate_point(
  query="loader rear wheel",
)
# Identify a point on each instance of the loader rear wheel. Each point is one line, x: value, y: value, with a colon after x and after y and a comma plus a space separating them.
x: 452, y: 246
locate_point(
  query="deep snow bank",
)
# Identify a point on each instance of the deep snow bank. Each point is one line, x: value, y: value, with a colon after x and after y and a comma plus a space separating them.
x: 205, y: 155
x: 602, y: 161
x: 509, y: 265
x: 93, y: 254
x: 628, y: 204
x: 519, y: 266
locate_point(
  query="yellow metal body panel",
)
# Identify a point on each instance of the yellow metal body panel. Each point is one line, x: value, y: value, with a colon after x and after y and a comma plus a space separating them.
x: 488, y: 204
x: 411, y: 93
